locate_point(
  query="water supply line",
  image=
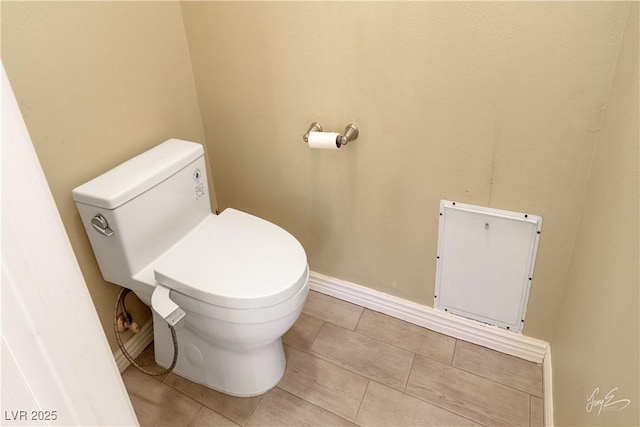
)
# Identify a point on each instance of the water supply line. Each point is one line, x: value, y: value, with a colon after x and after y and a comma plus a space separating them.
x: 120, y: 303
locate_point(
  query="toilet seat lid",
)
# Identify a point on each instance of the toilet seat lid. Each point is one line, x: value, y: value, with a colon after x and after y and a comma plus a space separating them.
x: 235, y: 260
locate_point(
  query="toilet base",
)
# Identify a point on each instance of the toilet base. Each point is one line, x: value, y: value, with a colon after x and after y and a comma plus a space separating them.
x: 245, y: 373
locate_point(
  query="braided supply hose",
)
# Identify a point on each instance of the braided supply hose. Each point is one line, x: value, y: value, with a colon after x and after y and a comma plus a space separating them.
x: 120, y: 302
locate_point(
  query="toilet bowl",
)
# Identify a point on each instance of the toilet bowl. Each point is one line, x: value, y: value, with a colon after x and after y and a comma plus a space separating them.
x: 236, y: 282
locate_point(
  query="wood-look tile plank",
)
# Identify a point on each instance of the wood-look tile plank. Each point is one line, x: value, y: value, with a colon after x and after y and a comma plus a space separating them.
x: 279, y: 408
x: 208, y: 418
x: 237, y: 409
x: 364, y: 355
x: 468, y: 395
x: 324, y: 384
x: 384, y: 406
x: 303, y: 332
x: 332, y: 310
x: 406, y: 335
x: 157, y: 404
x: 147, y: 359
x: 502, y: 368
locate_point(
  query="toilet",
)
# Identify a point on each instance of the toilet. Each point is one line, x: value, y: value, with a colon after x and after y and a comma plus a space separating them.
x: 232, y: 284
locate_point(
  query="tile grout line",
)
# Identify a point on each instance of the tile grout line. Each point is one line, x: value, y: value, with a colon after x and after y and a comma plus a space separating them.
x: 485, y: 378
x: 435, y: 404
x: 255, y: 408
x: 364, y: 334
x: 319, y: 357
x: 362, y: 401
x: 196, y: 414
x: 205, y: 405
x: 409, y: 351
x: 325, y: 358
x: 314, y: 404
x: 495, y: 381
x: 170, y: 386
x: 359, y: 317
x: 315, y: 337
x: 453, y: 354
x: 425, y: 356
x: 449, y: 410
x: 309, y: 352
x: 406, y: 383
x: 375, y: 338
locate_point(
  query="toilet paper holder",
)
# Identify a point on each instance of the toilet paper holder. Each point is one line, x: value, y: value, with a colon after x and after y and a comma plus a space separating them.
x: 351, y: 133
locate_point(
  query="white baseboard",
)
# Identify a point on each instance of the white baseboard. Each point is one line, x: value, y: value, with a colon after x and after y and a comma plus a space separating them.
x: 449, y: 324
x: 135, y: 345
x: 548, y: 389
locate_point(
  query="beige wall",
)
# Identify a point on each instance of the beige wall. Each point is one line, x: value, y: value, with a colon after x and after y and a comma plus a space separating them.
x: 497, y: 103
x: 97, y: 83
x: 597, y: 339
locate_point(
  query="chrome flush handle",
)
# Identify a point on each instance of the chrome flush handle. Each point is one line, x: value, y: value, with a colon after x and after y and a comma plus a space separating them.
x: 99, y: 223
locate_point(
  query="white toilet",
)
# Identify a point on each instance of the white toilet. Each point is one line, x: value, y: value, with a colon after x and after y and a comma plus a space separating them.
x: 240, y: 280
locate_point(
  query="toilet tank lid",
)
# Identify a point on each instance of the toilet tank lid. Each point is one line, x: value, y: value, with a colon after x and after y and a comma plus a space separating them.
x: 135, y: 176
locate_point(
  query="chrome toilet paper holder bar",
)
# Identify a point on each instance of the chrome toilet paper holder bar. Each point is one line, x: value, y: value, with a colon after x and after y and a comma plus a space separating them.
x: 351, y: 133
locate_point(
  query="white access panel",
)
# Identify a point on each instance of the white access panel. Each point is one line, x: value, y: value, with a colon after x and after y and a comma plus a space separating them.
x: 485, y: 263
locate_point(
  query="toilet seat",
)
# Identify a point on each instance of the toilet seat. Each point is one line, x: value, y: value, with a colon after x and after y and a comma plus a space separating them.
x: 235, y: 260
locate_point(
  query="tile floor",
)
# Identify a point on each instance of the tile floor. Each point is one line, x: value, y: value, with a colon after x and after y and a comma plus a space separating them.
x: 347, y: 366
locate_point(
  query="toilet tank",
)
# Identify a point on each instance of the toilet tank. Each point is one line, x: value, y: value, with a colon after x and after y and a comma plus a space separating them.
x: 149, y: 203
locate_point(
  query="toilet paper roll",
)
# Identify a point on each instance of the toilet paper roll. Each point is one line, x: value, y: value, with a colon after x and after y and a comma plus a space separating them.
x: 323, y: 140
